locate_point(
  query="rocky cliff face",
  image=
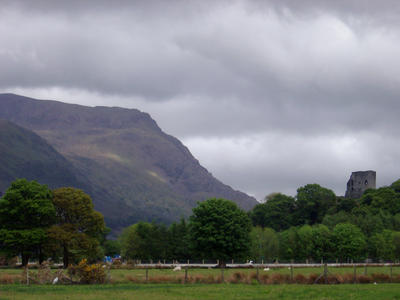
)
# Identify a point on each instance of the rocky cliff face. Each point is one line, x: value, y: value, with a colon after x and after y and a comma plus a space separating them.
x: 134, y: 170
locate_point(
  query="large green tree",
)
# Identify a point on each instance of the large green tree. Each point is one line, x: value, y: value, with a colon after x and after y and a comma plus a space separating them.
x: 26, y: 211
x: 78, y: 227
x: 349, y: 242
x: 144, y: 241
x: 219, y: 229
x: 313, y: 202
x: 277, y: 212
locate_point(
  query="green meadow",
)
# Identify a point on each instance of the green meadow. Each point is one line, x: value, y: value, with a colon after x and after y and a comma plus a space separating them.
x: 200, y: 291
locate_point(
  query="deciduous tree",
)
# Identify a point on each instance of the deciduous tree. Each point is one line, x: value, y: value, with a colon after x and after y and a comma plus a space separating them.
x: 26, y: 211
x: 78, y: 227
x: 219, y: 229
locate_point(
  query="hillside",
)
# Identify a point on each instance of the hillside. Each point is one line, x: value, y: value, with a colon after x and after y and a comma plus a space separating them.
x: 135, y: 170
x: 25, y: 154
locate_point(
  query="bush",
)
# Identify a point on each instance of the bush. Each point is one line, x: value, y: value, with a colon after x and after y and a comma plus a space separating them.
x: 88, y: 274
x: 380, y: 278
x: 237, y: 277
x: 301, y: 279
x: 364, y: 279
x: 8, y: 279
x: 279, y: 278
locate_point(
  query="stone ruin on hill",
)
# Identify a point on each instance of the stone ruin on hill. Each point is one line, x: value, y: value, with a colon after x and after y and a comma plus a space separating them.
x: 359, y: 182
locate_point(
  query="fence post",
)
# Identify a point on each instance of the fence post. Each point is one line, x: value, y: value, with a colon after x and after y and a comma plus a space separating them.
x: 365, y: 269
x: 27, y: 274
x: 147, y: 274
x: 355, y: 274
x: 187, y: 261
x: 203, y: 261
x: 291, y: 273
x: 232, y: 261
x: 222, y: 275
x: 218, y: 262
x: 326, y: 273
x: 186, y: 274
x: 258, y: 274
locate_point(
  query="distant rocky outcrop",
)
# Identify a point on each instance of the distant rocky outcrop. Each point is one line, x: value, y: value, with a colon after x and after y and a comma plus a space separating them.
x: 359, y: 182
x: 132, y: 169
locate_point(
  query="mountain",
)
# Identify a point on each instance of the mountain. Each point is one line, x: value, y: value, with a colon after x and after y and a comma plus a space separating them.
x: 133, y: 170
x: 25, y: 154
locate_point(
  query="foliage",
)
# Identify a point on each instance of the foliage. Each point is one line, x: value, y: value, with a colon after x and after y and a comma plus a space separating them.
x: 178, y: 244
x: 26, y: 211
x: 78, y: 228
x: 288, y: 244
x: 264, y: 244
x: 144, y: 241
x: 276, y: 212
x: 219, y: 230
x: 382, y: 245
x: 88, y: 273
x: 313, y: 202
x: 349, y: 241
x: 396, y: 186
x: 112, y: 247
x: 322, y: 242
x: 385, y: 198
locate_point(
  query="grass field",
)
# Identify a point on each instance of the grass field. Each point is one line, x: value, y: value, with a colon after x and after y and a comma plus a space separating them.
x: 200, y: 291
x: 125, y: 276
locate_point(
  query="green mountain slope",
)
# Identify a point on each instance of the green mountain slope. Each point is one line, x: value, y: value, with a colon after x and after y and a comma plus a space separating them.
x: 25, y: 154
x: 136, y: 171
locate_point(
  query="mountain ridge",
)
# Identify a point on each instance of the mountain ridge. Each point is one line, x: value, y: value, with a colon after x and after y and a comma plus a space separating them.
x: 149, y: 174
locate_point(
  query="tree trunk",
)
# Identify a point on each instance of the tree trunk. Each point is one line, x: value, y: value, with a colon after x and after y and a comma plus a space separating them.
x: 65, y: 258
x: 25, y: 259
x: 41, y: 256
x: 222, y: 264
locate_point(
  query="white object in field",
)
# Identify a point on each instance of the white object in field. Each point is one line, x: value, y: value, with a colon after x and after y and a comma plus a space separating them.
x: 55, y: 280
x: 266, y: 269
x: 250, y: 262
x: 177, y: 268
x: 375, y: 283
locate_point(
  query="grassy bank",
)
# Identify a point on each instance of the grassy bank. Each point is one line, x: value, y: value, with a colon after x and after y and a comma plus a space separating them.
x: 201, y: 291
x: 275, y: 275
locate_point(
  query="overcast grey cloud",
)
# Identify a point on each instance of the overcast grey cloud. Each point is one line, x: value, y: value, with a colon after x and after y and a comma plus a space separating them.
x: 268, y: 95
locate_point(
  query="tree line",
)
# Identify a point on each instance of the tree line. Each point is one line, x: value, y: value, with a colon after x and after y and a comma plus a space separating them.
x: 314, y: 225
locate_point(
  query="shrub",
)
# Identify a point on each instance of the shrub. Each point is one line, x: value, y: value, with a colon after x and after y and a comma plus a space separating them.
x: 279, y: 278
x: 312, y: 278
x: 364, y: 279
x: 237, y: 277
x: 380, y: 277
x: 8, y: 279
x: 264, y: 278
x: 300, y: 278
x: 86, y: 273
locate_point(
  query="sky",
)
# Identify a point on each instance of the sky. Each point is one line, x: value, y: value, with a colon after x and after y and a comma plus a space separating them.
x: 267, y: 95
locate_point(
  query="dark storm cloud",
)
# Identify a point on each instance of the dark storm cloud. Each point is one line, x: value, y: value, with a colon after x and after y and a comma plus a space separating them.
x: 294, y: 91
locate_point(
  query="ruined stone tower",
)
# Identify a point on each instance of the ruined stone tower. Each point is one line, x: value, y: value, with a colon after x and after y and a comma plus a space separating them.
x: 359, y: 182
